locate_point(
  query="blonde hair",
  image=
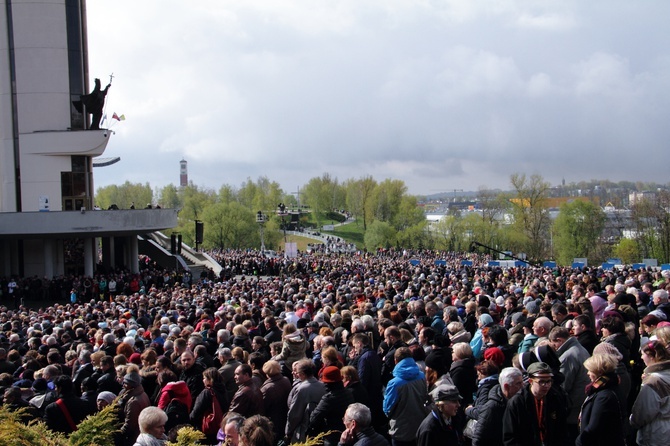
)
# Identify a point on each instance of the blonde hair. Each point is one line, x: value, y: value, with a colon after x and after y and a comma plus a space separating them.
x: 601, y: 364
x: 462, y: 350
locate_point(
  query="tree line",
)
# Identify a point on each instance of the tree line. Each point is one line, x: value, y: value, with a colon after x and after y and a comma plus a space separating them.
x: 517, y: 220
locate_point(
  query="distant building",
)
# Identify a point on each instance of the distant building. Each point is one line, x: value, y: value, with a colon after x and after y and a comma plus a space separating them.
x: 636, y: 197
x: 183, y: 173
x: 48, y: 225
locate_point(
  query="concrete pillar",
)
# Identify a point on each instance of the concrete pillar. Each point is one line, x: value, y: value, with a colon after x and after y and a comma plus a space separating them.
x: 89, y: 260
x: 6, y: 263
x: 134, y: 262
x: 60, y: 258
x: 112, y: 252
x: 49, y: 258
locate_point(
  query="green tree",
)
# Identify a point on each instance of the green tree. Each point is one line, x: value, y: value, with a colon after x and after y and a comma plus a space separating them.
x: 577, y: 230
x: 409, y: 214
x: 415, y: 236
x: 124, y: 195
x: 168, y: 197
x: 448, y: 233
x: 318, y: 195
x: 230, y: 226
x: 530, y: 211
x: 651, y: 216
x: 627, y: 250
x: 358, y: 197
x: 380, y: 234
x: 195, y: 200
x: 387, y: 197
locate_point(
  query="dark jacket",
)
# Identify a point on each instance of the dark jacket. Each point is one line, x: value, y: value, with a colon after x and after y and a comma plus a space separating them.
x: 55, y: 419
x: 203, y: 406
x: 359, y: 392
x: 132, y: 402
x: 368, y: 437
x: 369, y: 368
x: 433, y: 431
x: 107, y: 382
x: 482, y: 396
x: 588, y: 339
x: 193, y: 379
x: 601, y: 419
x: 275, y: 392
x: 388, y: 362
x: 520, y: 424
x: 464, y: 375
x: 328, y: 414
x: 488, y: 430
x: 247, y: 401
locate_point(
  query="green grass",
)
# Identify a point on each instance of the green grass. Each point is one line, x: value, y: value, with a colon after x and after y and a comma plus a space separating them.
x: 351, y: 232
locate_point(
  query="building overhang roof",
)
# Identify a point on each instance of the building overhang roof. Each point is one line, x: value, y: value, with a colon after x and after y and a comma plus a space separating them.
x: 88, y: 223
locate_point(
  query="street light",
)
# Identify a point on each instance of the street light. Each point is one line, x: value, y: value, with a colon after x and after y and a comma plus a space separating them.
x: 260, y: 219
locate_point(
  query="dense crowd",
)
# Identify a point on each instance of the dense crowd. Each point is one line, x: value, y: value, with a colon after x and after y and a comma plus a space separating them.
x: 402, y: 348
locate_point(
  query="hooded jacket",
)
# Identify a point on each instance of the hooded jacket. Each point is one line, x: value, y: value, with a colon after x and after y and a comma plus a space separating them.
x: 178, y: 390
x: 404, y: 400
x: 293, y: 349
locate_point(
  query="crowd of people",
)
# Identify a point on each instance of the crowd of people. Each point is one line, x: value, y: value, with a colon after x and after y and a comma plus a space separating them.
x: 402, y: 348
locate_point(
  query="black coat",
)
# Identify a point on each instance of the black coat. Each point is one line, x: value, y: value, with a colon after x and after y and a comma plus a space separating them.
x: 488, y: 431
x: 193, y: 379
x: 433, y: 431
x: 203, y: 406
x: 520, y: 424
x: 55, y: 418
x: 588, y: 339
x: 329, y: 412
x: 107, y: 382
x: 601, y: 420
x: 464, y: 375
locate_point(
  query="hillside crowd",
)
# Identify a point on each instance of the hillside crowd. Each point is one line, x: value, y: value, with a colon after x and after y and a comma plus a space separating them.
x: 402, y: 348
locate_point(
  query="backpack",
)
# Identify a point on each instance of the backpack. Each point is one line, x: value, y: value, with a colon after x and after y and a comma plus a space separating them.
x: 212, y: 421
x: 177, y: 413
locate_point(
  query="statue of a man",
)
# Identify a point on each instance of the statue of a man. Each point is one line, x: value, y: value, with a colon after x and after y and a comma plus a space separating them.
x: 94, y: 103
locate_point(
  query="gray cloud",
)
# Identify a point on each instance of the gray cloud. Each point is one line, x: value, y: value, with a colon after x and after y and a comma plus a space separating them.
x: 442, y: 95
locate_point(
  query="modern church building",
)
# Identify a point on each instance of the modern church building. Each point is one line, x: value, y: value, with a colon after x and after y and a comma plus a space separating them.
x: 48, y: 225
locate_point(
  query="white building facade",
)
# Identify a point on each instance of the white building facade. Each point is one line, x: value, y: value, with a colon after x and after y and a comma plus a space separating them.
x: 47, y: 150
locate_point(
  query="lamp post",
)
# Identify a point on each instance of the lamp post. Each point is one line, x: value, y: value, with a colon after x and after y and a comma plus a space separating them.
x: 281, y: 211
x: 260, y: 219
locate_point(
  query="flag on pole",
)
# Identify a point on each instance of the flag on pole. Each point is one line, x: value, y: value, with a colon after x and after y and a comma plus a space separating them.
x: 104, y: 118
x: 115, y: 116
x: 122, y: 117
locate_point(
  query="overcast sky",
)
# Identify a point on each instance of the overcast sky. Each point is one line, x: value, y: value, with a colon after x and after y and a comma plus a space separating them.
x: 444, y: 95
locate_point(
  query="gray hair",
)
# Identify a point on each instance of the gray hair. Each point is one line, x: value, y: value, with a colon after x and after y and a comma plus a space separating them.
x: 368, y: 321
x: 151, y: 416
x: 661, y: 294
x: 508, y: 375
x: 360, y: 414
x: 359, y: 324
x: 223, y: 335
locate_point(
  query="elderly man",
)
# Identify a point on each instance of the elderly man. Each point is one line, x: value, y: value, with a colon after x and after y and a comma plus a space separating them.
x: 358, y: 429
x: 305, y: 395
x: 572, y: 356
x: 541, y: 327
x: 536, y: 416
x: 660, y: 299
x: 437, y: 428
x: 488, y: 429
x: 227, y: 370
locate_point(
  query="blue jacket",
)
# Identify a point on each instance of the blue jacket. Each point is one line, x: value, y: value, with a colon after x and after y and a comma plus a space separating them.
x: 405, y: 400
